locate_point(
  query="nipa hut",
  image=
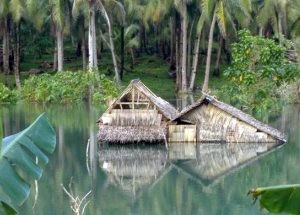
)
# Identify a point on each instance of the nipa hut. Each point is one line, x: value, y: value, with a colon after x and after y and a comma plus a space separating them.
x: 210, y: 120
x: 138, y: 115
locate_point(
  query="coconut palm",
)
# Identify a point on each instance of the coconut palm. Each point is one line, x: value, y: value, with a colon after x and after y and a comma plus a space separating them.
x: 272, y: 12
x: 224, y: 13
x: 4, y: 10
x: 59, y: 14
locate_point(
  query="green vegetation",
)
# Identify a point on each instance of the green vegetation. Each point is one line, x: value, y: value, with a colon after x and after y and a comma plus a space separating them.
x: 67, y: 87
x: 279, y: 199
x: 7, y: 96
x: 18, y: 155
x: 259, y: 68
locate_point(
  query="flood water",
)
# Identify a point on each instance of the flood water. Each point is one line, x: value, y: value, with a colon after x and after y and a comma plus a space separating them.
x: 185, y: 179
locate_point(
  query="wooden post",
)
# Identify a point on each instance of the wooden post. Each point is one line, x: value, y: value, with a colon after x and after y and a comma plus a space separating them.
x: 132, y: 93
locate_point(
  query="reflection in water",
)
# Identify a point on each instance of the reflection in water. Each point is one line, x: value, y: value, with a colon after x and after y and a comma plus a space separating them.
x: 133, y: 168
x: 185, y: 179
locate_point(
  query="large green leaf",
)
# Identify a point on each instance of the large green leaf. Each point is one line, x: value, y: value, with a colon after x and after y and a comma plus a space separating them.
x: 278, y: 199
x: 18, y: 152
x: 6, y: 208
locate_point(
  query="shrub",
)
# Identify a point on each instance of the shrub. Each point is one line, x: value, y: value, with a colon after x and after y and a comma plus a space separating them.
x: 7, y: 96
x: 258, y: 69
x: 67, y: 87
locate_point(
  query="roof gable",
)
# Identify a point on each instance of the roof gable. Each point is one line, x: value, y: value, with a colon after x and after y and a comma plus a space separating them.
x: 163, y: 106
x: 236, y: 113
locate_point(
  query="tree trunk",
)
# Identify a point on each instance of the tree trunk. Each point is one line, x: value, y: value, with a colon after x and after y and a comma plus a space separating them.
x: 184, y: 47
x: 189, y: 52
x: 217, y: 65
x: 141, y: 33
x: 260, y: 33
x: 122, y: 54
x: 92, y: 39
x: 156, y: 39
x: 195, y: 61
x: 60, y: 52
x: 209, y: 50
x: 280, y: 31
x: 83, y: 52
x: 16, y: 49
x: 55, y: 57
x: 6, y: 69
x: 132, y: 58
x: 172, y: 41
x: 112, y: 47
x: 178, y: 48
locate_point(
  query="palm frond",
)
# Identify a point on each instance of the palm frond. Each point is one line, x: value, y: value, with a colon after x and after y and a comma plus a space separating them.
x: 207, y: 6
x: 77, y: 7
x: 58, y: 12
x: 36, y: 12
x: 4, y: 8
x: 131, y: 30
x: 266, y: 11
x: 200, y: 23
x: 16, y: 8
x: 221, y: 18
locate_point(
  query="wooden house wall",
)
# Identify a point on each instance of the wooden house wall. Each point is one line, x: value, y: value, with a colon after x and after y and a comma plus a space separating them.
x: 133, y: 117
x: 214, y: 124
x: 182, y: 133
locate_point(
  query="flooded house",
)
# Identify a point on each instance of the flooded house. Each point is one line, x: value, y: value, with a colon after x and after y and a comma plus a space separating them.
x: 210, y: 120
x: 138, y: 115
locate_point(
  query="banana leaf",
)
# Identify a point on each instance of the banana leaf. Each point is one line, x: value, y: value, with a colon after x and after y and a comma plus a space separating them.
x: 17, y: 156
x: 279, y: 199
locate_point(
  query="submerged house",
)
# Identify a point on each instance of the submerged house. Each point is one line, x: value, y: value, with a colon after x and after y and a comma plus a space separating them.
x: 210, y: 120
x: 138, y: 115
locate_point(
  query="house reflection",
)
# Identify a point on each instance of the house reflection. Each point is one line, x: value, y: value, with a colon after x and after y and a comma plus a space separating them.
x: 134, y: 169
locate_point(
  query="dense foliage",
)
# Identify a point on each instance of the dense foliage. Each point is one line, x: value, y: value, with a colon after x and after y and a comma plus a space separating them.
x: 259, y: 67
x: 7, y: 96
x: 67, y: 87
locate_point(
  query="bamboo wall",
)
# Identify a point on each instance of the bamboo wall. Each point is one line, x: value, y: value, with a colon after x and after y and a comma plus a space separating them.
x: 214, y: 124
x: 182, y: 133
x: 132, y: 117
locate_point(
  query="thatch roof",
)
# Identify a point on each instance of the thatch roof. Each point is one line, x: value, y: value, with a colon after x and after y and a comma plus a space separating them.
x: 163, y: 106
x: 235, y: 113
x: 125, y: 134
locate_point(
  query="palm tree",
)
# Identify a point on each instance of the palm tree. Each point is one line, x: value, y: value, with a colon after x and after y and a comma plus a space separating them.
x: 4, y: 10
x: 93, y: 61
x: 80, y: 14
x: 196, y: 51
x: 58, y: 10
x: 224, y: 12
x: 272, y: 12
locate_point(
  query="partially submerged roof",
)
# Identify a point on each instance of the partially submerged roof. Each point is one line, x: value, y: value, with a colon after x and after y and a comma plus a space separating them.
x: 163, y: 106
x: 234, y: 112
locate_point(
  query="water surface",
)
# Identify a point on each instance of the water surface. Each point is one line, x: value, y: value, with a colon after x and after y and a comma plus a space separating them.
x: 186, y: 179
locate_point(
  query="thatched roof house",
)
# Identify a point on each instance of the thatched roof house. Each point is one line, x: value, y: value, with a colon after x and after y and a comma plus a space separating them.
x: 216, y: 121
x: 138, y: 115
